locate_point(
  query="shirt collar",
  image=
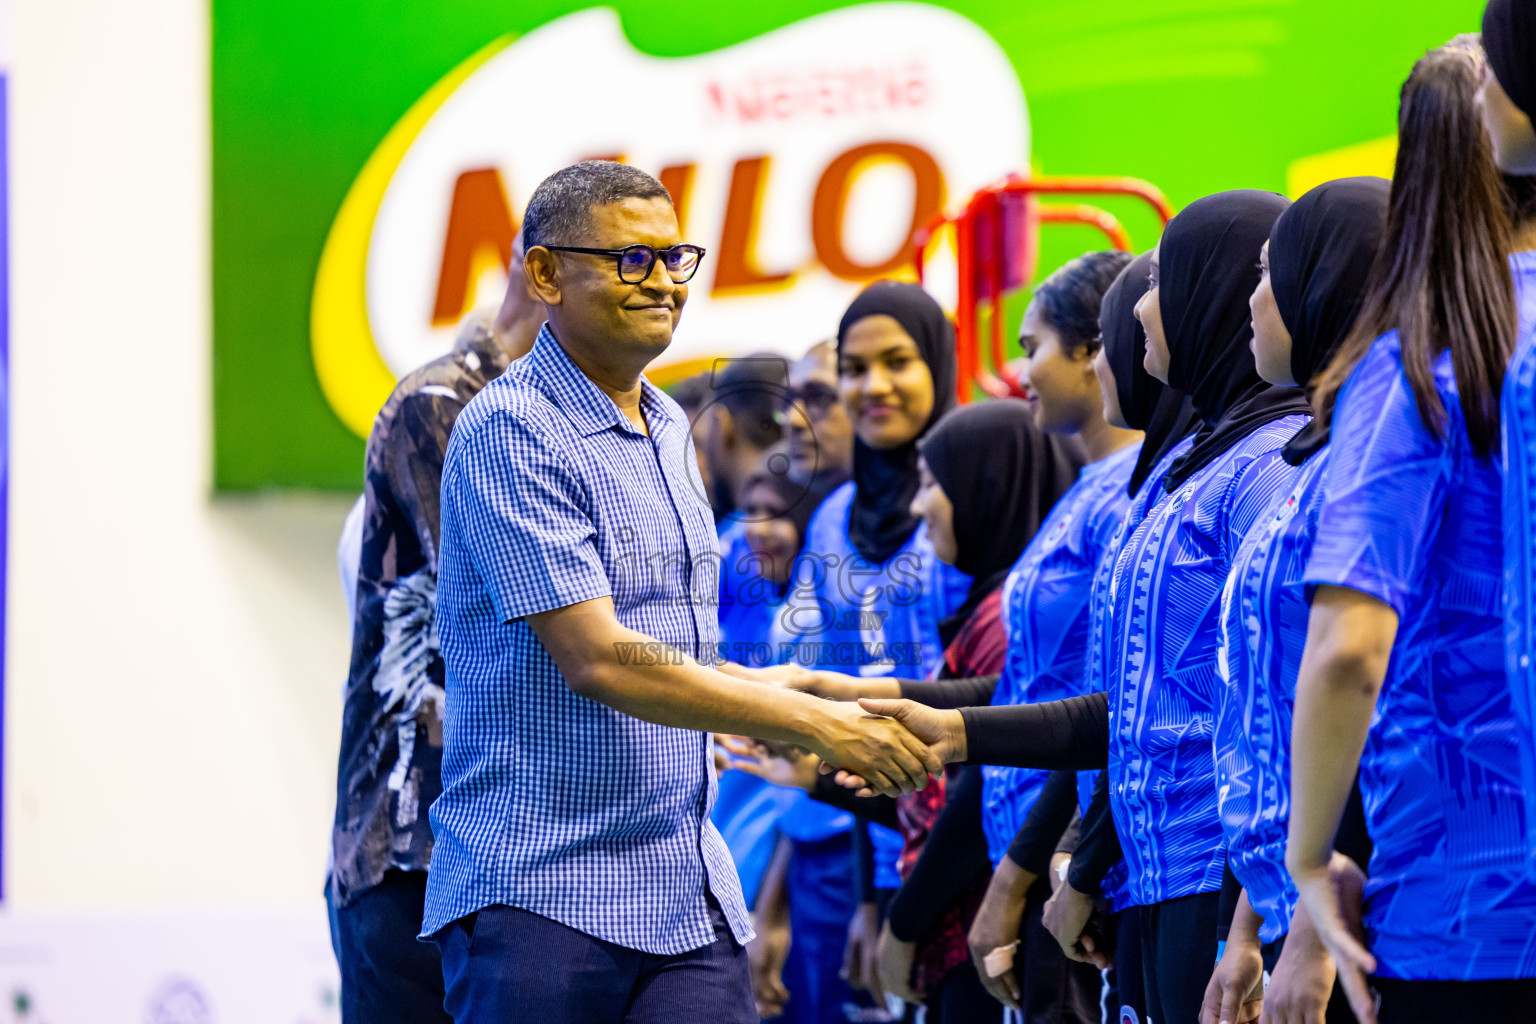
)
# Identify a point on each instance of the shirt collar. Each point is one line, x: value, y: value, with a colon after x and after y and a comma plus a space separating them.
x: 587, y: 406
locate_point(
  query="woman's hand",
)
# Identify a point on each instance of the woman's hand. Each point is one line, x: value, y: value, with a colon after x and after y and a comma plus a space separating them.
x: 943, y: 732
x: 1235, y: 993
x: 860, y: 954
x: 1302, y: 982
x: 995, y: 933
x: 785, y: 766
x: 1066, y: 917
x: 894, y: 959
x: 1333, y: 896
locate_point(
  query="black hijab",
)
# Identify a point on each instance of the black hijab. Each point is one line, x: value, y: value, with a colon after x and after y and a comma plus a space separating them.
x: 885, y: 480
x: 1208, y: 266
x: 1164, y: 416
x: 1509, y: 40
x: 1320, y: 254
x: 1002, y: 474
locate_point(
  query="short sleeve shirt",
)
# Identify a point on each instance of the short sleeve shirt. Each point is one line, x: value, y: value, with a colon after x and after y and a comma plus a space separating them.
x: 1413, y: 520
x: 1165, y: 596
x: 554, y: 803
x: 1045, y: 616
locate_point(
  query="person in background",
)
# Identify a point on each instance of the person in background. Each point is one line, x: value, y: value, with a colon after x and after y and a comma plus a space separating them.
x: 816, y: 425
x: 1508, y: 101
x: 1316, y: 265
x: 774, y: 516
x: 576, y: 878
x: 1160, y: 655
x: 1403, y: 675
x: 738, y: 426
x: 391, y: 743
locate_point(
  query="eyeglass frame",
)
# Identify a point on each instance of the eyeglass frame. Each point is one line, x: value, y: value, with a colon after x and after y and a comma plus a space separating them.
x: 618, y: 257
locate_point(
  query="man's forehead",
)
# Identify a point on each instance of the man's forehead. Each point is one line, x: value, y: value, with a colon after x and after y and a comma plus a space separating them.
x: 634, y: 221
x: 820, y: 364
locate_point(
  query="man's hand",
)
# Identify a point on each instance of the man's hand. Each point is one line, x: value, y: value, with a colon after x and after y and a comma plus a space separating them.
x: 1066, y: 918
x: 893, y: 959
x: 886, y: 756
x: 766, y: 956
x: 860, y: 959
x: 996, y: 930
x: 944, y: 731
x: 1302, y: 982
x: 1235, y: 993
x: 1333, y: 896
x: 791, y: 767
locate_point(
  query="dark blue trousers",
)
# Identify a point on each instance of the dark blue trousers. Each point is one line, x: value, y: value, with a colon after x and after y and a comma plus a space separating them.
x: 503, y: 965
x: 388, y: 976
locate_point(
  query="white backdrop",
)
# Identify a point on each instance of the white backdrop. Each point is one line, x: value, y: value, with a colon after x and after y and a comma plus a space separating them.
x: 175, y: 662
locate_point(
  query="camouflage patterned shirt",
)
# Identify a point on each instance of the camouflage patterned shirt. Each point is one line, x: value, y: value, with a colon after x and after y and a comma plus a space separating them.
x: 391, y: 732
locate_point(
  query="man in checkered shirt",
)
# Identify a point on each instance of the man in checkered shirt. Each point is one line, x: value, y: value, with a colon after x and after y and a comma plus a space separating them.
x: 576, y: 878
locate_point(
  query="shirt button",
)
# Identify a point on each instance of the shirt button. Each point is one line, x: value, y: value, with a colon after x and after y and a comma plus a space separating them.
x: 1525, y: 661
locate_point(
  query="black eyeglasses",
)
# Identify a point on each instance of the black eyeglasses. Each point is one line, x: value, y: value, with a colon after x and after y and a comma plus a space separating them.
x: 814, y: 397
x: 637, y: 261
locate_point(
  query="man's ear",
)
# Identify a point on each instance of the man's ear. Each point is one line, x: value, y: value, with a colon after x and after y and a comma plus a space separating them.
x: 724, y: 426
x: 542, y: 272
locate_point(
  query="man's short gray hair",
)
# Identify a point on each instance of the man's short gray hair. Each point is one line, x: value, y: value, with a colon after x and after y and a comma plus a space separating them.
x: 560, y: 211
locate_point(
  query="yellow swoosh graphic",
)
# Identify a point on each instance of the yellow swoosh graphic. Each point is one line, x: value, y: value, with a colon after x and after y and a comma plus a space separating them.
x: 352, y: 375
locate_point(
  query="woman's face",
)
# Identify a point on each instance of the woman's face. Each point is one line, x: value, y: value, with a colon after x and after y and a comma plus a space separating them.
x: 1109, y: 394
x: 883, y: 382
x: 1149, y: 310
x: 1063, y: 391
x: 1271, y: 342
x: 1509, y: 127
x: 771, y: 535
x: 933, y: 507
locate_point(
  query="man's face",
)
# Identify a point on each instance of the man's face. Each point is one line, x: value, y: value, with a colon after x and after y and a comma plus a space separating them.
x: 818, y: 428
x: 596, y: 309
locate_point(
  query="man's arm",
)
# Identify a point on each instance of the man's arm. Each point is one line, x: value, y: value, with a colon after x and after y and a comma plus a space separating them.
x: 592, y: 650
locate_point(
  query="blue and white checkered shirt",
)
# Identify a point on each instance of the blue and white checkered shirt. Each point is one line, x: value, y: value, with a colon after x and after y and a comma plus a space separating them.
x: 553, y: 803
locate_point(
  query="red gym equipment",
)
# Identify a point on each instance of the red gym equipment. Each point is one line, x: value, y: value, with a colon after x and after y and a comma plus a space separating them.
x: 997, y: 247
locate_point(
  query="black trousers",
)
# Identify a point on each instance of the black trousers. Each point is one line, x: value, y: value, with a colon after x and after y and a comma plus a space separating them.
x: 387, y: 976
x: 1054, y: 988
x: 1455, y: 1002
x: 1178, y: 953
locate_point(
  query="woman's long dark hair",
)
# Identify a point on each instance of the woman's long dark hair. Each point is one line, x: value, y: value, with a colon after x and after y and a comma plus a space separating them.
x: 1442, y: 278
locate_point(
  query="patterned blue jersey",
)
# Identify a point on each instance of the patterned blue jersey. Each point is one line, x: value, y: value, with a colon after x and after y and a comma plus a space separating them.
x: 1165, y: 598
x: 850, y: 615
x: 1264, y: 611
x: 1519, y: 453
x: 1045, y: 616
x: 1414, y: 521
x: 1113, y: 886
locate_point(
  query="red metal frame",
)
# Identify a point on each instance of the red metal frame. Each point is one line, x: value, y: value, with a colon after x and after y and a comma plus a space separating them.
x: 983, y: 229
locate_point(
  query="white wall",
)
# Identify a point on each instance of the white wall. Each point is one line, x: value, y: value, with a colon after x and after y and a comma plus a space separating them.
x: 175, y: 661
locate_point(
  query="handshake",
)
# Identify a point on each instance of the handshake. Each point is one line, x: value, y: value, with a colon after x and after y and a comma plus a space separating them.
x: 875, y: 746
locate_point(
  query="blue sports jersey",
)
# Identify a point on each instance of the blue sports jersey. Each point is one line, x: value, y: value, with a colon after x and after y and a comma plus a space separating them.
x: 1414, y: 521
x: 1112, y: 886
x: 1264, y: 611
x: 1518, y: 419
x: 850, y: 615
x: 1045, y: 617
x: 749, y: 603
x: 1164, y: 598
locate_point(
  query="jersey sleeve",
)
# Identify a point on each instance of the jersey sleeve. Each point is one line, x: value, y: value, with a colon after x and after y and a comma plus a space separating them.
x: 1384, y: 489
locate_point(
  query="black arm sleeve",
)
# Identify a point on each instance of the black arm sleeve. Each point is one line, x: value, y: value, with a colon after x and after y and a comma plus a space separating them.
x: 1352, y: 839
x: 863, y: 864
x: 949, y: 694
x: 1098, y: 849
x: 879, y: 809
x: 1035, y: 843
x: 1071, y: 835
x: 954, y: 856
x: 1061, y: 734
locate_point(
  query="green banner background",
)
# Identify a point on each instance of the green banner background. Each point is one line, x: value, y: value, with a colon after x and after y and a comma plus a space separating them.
x: 1192, y: 95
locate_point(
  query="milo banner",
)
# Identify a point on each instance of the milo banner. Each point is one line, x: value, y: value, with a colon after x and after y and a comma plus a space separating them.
x: 371, y: 163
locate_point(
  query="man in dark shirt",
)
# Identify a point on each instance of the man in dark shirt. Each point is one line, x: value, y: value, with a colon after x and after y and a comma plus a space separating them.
x: 392, y: 734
